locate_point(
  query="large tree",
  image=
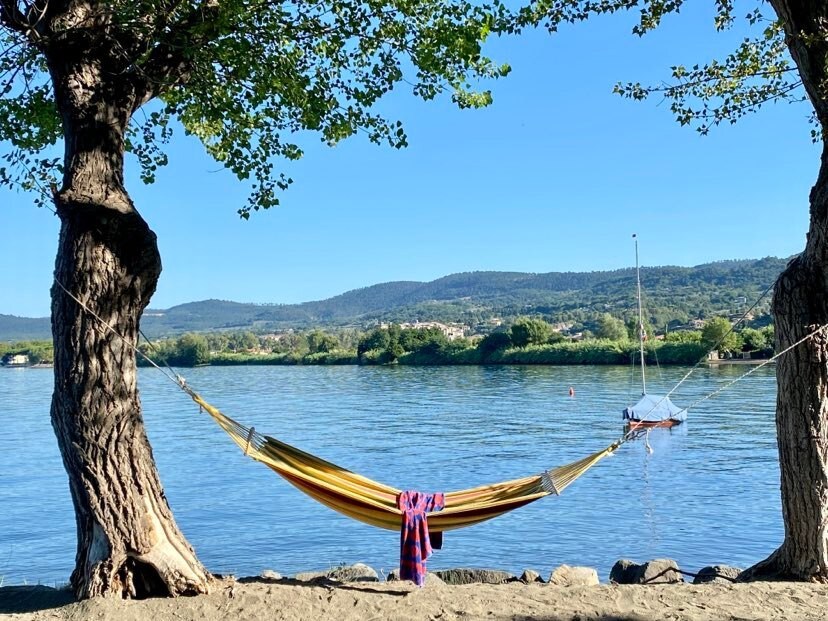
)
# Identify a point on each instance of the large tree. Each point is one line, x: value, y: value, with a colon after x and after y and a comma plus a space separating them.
x: 240, y: 75
x: 530, y: 331
x: 718, y: 334
x: 611, y: 328
x: 721, y: 91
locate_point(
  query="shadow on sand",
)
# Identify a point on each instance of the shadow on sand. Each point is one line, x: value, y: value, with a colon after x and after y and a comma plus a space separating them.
x: 38, y: 598
x: 21, y: 599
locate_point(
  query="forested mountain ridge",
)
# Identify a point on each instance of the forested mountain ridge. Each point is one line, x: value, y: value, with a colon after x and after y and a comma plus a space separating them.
x: 672, y: 294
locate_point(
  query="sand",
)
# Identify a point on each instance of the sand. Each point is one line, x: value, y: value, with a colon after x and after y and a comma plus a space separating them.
x: 260, y: 599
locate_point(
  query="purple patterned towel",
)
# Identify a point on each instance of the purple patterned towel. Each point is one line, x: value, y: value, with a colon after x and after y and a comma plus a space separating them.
x: 415, y: 545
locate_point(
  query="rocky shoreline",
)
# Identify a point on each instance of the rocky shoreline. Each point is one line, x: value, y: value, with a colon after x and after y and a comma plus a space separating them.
x: 654, y: 590
x: 624, y: 571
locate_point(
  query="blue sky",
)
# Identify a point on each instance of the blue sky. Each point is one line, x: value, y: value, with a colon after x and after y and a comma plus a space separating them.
x: 555, y: 176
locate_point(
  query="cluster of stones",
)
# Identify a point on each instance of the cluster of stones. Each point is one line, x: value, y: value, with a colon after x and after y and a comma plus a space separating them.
x: 658, y: 571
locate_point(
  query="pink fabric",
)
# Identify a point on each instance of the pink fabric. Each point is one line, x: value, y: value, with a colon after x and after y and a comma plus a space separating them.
x: 415, y: 545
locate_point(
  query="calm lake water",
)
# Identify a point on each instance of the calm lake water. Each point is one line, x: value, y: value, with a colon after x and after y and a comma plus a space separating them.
x: 709, y: 493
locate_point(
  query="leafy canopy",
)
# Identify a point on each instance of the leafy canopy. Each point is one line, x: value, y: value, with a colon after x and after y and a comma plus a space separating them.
x: 243, y: 76
x: 703, y: 95
x: 611, y: 328
x: 718, y: 334
x: 529, y: 331
x: 246, y: 76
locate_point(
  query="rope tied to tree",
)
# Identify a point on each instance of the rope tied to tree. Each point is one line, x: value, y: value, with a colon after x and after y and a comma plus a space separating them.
x: 707, y: 353
x: 254, y: 438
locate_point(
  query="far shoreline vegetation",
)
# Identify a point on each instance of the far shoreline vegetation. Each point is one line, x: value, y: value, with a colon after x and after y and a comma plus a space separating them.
x: 526, y: 341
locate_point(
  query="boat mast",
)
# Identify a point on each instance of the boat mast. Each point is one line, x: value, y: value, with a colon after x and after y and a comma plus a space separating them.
x: 641, y: 332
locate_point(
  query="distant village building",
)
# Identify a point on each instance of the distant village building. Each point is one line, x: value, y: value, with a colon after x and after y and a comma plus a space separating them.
x: 452, y: 331
x: 274, y: 336
x: 487, y: 325
x: 15, y: 360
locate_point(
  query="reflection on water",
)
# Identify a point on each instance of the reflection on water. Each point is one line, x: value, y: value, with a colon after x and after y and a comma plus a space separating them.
x: 709, y: 492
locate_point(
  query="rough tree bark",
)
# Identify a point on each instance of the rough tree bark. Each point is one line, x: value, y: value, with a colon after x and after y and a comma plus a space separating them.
x: 128, y: 542
x: 800, y: 306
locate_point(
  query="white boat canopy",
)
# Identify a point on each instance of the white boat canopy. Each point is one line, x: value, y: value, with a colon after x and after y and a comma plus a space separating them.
x: 654, y: 407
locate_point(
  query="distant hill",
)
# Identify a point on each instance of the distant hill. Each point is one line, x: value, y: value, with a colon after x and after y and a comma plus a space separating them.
x: 671, y: 294
x: 14, y: 328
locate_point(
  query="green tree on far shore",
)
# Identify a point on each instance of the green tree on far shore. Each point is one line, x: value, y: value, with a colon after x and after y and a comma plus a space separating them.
x: 718, y: 333
x: 611, y: 328
x: 192, y: 350
x: 530, y: 331
x: 491, y: 343
x: 683, y: 336
x: 321, y: 342
x: 757, y: 339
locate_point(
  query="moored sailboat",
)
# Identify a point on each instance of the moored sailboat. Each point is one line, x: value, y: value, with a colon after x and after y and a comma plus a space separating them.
x: 651, y: 410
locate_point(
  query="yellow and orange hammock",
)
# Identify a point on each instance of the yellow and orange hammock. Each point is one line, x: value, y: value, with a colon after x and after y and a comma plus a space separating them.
x: 373, y: 503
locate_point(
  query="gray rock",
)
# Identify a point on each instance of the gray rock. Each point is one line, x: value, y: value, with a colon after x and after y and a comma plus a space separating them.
x: 311, y: 576
x: 529, y: 576
x: 358, y: 572
x: 659, y: 571
x: 269, y: 574
x: 624, y: 572
x: 464, y: 575
x: 717, y: 573
x: 431, y: 579
x: 574, y: 576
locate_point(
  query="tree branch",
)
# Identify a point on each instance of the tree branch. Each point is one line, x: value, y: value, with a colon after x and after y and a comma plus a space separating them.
x: 12, y: 17
x: 169, y: 62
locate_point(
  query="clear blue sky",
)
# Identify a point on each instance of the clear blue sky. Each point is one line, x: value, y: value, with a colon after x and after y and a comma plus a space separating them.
x: 555, y: 176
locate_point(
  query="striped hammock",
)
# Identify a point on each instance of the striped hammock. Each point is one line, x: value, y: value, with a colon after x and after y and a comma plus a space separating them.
x: 373, y: 503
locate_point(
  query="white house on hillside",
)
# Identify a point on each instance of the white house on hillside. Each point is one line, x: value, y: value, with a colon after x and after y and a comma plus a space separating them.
x: 15, y: 360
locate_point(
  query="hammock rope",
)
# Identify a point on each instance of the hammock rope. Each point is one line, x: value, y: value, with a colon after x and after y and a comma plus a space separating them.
x: 374, y: 503
x: 714, y: 348
x: 807, y: 337
x: 359, y: 497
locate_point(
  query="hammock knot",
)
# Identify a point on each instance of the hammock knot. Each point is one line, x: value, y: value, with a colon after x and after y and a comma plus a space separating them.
x: 548, y: 483
x: 250, y: 435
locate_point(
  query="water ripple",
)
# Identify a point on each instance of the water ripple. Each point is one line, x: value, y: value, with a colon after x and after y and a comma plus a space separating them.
x: 708, y: 494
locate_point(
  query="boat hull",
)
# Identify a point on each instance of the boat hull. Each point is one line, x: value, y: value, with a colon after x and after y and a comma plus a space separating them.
x: 650, y: 424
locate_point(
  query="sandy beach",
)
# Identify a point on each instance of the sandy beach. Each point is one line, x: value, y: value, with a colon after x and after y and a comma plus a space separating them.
x: 258, y: 599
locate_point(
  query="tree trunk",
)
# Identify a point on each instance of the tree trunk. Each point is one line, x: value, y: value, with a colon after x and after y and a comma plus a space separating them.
x: 128, y: 542
x: 800, y: 306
